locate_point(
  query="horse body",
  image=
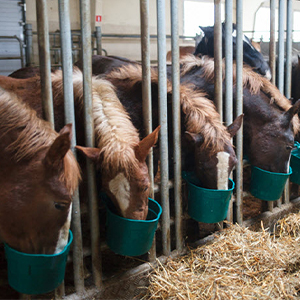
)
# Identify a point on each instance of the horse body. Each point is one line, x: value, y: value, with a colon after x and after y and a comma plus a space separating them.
x: 251, y: 56
x: 38, y: 175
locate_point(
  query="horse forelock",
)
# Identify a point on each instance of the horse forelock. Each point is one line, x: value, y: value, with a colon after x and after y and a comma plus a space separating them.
x: 34, y: 134
x: 116, y: 137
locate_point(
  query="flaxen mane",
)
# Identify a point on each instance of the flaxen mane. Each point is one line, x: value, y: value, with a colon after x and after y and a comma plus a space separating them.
x: 200, y: 113
x: 34, y: 135
x: 116, y: 137
x: 252, y: 80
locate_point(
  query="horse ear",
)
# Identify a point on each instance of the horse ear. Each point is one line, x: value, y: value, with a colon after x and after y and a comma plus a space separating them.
x: 144, y: 146
x: 288, y: 115
x: 195, y: 138
x: 235, y: 126
x: 59, y: 148
x: 91, y: 153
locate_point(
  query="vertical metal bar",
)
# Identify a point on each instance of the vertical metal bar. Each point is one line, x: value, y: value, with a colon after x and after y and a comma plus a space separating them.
x: 29, y: 49
x: 176, y: 124
x: 272, y: 48
x: 228, y: 77
x: 67, y: 67
x: 44, y: 57
x: 146, y: 90
x: 99, y: 40
x: 163, y: 120
x: 90, y: 135
x: 218, y: 58
x: 239, y: 109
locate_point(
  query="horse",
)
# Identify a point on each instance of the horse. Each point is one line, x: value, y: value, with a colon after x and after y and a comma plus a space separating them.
x: 251, y: 56
x: 183, y: 50
x: 120, y: 156
x: 206, y: 141
x: 38, y: 176
x: 270, y: 121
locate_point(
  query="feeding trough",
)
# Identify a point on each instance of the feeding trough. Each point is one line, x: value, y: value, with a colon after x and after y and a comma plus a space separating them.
x: 295, y: 164
x: 131, y: 237
x: 36, y: 273
x: 267, y: 185
x: 207, y: 205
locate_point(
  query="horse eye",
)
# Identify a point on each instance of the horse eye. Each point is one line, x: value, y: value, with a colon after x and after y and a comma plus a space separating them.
x: 59, y: 206
x: 289, y: 147
x: 145, y: 189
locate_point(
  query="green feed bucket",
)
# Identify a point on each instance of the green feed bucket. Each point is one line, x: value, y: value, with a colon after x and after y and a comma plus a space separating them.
x: 36, y: 273
x: 131, y: 237
x: 267, y: 185
x: 207, y: 205
x: 295, y: 165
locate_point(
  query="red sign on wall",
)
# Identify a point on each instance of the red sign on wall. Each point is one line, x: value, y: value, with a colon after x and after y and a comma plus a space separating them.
x: 98, y: 18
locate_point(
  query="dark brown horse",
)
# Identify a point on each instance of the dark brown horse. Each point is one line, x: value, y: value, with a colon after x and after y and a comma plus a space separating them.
x: 120, y: 156
x: 38, y: 175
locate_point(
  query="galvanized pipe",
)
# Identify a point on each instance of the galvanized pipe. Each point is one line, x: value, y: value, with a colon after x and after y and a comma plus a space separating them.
x: 239, y: 109
x: 146, y: 92
x: 99, y: 40
x: 163, y: 120
x: 44, y: 58
x: 90, y: 136
x: 228, y: 77
x: 281, y: 20
x: 67, y: 67
x: 289, y: 41
x: 176, y: 124
x: 218, y: 58
x: 272, y: 47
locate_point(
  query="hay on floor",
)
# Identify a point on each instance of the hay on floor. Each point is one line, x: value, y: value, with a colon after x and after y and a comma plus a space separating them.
x: 239, y: 264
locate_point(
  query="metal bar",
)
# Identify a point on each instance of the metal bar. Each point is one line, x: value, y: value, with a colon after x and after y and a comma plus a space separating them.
x: 272, y: 47
x: 99, y: 40
x: 218, y: 58
x: 90, y: 136
x: 67, y: 67
x: 44, y: 58
x: 163, y: 120
x: 239, y: 109
x: 176, y: 125
x: 281, y: 20
x: 146, y: 90
x: 29, y: 48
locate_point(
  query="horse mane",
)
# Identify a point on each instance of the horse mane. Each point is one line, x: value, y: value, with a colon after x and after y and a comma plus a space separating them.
x: 251, y: 80
x: 200, y: 113
x: 116, y: 137
x: 34, y: 134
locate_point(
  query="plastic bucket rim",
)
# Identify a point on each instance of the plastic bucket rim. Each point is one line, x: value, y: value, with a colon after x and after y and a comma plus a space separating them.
x: 274, y: 173
x: 212, y: 190
x: 140, y: 221
x: 42, y: 255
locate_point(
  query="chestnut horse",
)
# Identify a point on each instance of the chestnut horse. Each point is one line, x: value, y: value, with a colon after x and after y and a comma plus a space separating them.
x: 269, y: 122
x: 251, y: 56
x: 120, y: 156
x: 38, y: 175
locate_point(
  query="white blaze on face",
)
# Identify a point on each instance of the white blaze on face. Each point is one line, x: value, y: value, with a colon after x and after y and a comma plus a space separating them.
x: 120, y: 188
x: 288, y: 164
x: 64, y: 234
x: 268, y: 75
x: 222, y: 167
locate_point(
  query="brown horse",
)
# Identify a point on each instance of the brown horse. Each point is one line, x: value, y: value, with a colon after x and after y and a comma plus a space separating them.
x: 183, y: 50
x: 120, y: 156
x: 38, y: 175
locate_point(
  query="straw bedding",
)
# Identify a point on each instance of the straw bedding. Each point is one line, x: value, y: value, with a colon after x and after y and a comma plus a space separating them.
x: 238, y: 264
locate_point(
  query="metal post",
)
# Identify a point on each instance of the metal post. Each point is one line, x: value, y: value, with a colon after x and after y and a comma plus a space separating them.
x: 28, y: 49
x: 176, y: 124
x: 163, y: 120
x: 90, y: 135
x: 239, y: 109
x: 272, y: 49
x: 146, y: 90
x: 218, y: 58
x: 67, y: 67
x: 44, y: 57
x: 228, y: 77
x: 99, y: 40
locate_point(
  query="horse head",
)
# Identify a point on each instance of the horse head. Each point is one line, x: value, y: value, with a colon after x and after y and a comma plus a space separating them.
x: 36, y: 193
x: 213, y: 169
x: 251, y: 56
x: 128, y: 189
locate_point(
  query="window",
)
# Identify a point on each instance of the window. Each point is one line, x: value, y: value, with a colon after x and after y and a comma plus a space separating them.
x: 197, y: 14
